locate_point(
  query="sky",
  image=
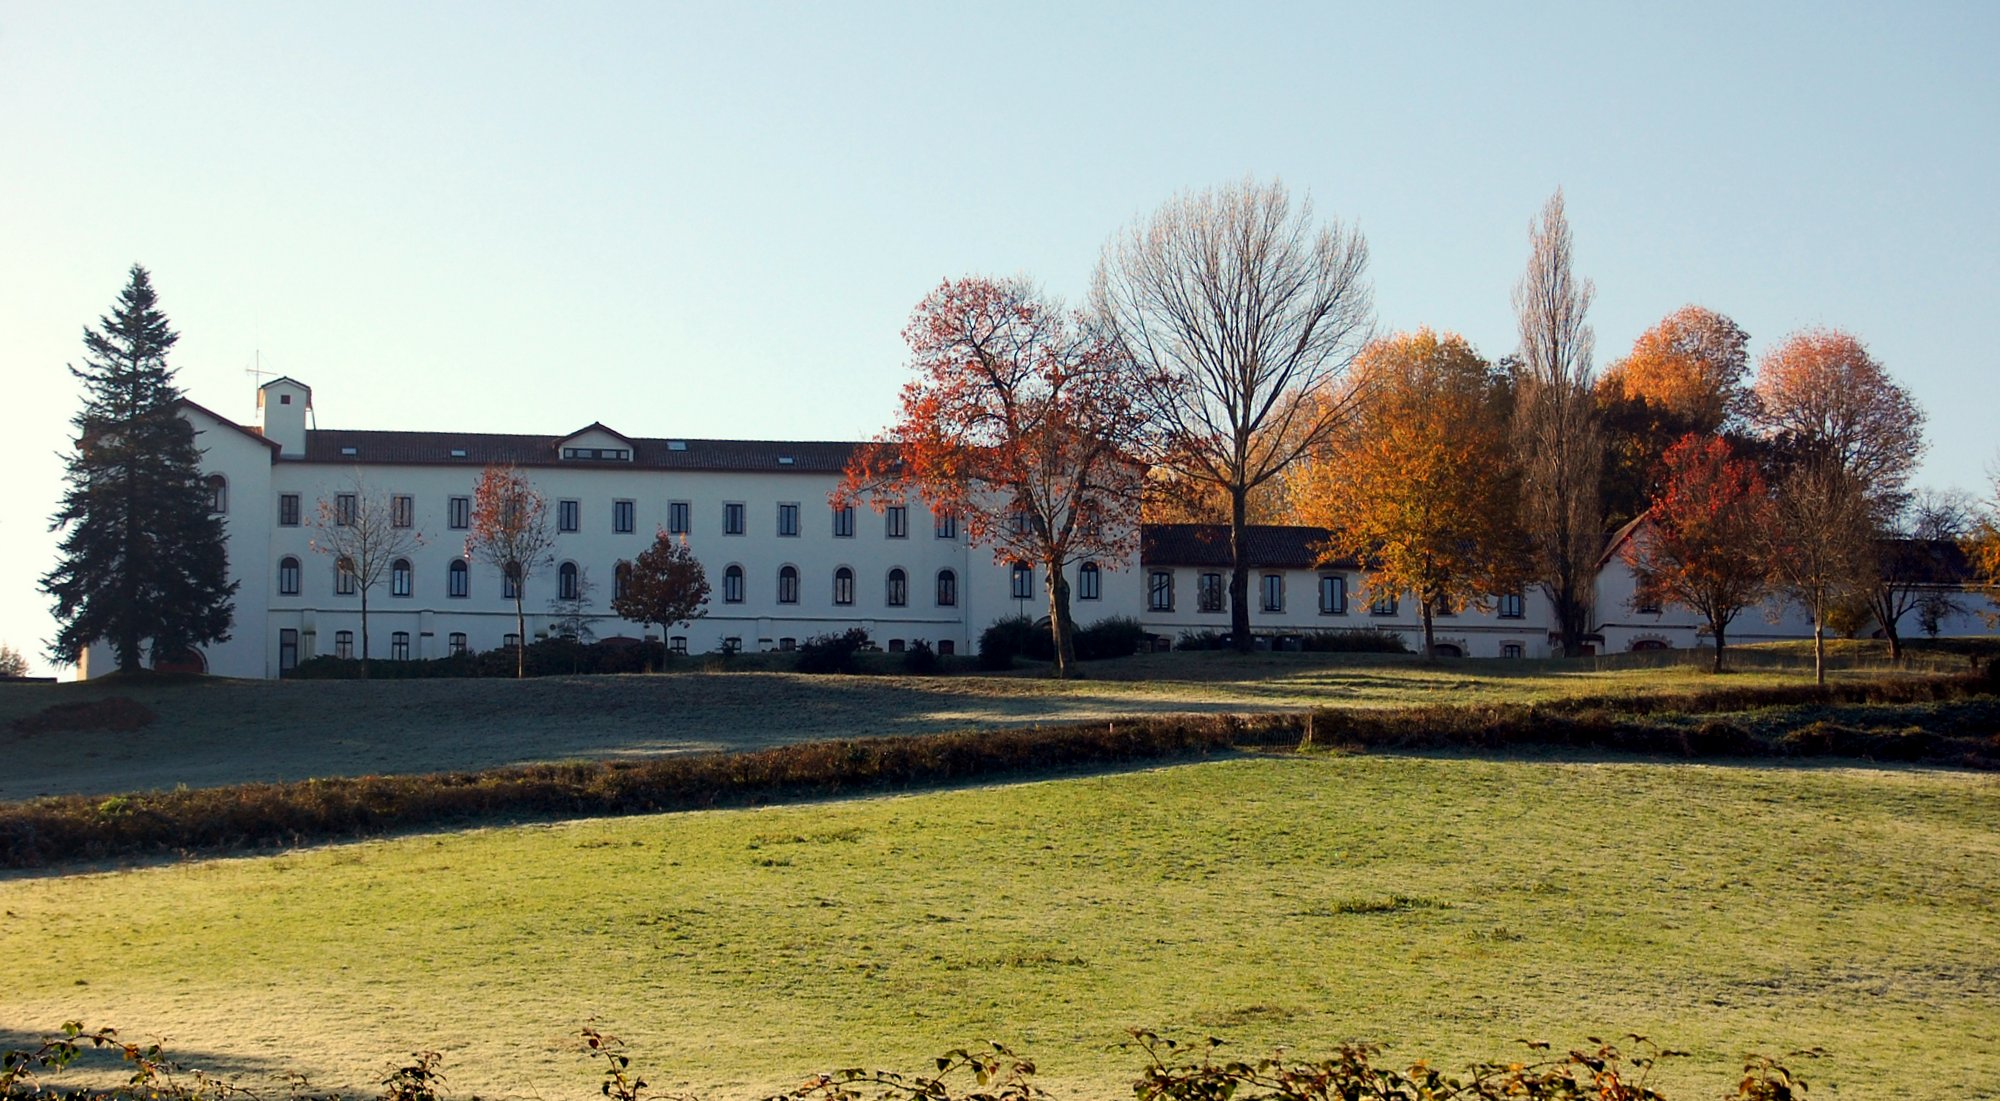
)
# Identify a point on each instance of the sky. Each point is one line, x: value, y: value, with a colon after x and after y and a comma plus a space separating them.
x: 713, y: 220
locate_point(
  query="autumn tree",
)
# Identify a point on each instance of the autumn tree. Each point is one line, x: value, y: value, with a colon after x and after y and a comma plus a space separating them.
x: 511, y: 533
x: 1018, y: 423
x: 1419, y: 484
x: 1982, y: 548
x: 1687, y: 374
x: 143, y: 564
x: 1819, y: 544
x: 1822, y: 398
x: 665, y: 585
x: 1557, y: 435
x: 1702, y: 544
x: 365, y: 532
x: 1237, y: 310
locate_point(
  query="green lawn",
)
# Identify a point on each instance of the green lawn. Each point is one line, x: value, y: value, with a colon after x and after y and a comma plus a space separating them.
x: 1445, y: 906
x: 213, y: 733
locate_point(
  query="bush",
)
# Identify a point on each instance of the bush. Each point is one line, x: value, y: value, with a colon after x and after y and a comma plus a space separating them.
x: 832, y: 653
x: 1357, y: 640
x: 1117, y: 637
x: 549, y: 657
x: 1201, y: 640
x: 920, y: 660
x: 1008, y: 639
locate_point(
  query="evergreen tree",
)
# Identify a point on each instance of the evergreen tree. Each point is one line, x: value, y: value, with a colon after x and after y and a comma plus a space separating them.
x: 143, y: 561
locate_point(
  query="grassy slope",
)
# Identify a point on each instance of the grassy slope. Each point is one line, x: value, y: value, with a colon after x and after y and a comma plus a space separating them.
x: 1716, y: 908
x: 221, y: 732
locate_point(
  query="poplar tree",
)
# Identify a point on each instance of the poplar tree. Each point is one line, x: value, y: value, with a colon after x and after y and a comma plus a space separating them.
x: 143, y: 565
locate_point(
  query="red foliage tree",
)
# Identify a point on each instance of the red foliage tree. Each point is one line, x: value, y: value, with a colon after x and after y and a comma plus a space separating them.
x: 664, y: 585
x: 511, y: 532
x: 1018, y: 424
x: 1702, y: 545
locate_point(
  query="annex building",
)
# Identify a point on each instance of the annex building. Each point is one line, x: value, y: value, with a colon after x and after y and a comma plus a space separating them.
x: 783, y: 564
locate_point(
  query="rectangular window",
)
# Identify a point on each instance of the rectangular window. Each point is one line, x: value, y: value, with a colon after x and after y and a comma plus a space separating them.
x: 510, y: 641
x: 1332, y: 594
x: 1160, y: 591
x: 456, y: 645
x: 1089, y: 582
x: 288, y: 577
x: 288, y: 510
x: 732, y: 645
x: 946, y: 526
x: 1023, y: 523
x: 788, y: 520
x: 288, y: 650
x: 1208, y: 593
x: 732, y: 518
x: 402, y: 511
x: 1022, y: 581
x: 569, y: 516
x: 343, y: 578
x: 343, y: 510
x: 1273, y: 589
x: 460, y: 513
x: 621, y: 517
x: 343, y: 644
x: 843, y: 522
x: 1511, y: 606
x: 399, y: 646
x: 1385, y: 605
x: 896, y: 522
x: 678, y: 644
x: 678, y: 517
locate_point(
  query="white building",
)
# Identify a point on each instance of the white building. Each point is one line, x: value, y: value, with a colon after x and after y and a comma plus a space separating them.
x: 782, y: 563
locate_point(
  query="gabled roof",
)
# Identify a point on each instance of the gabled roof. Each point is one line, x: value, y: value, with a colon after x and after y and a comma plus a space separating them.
x: 227, y: 423
x: 1266, y: 546
x: 476, y: 449
x: 1621, y: 537
x: 595, y: 426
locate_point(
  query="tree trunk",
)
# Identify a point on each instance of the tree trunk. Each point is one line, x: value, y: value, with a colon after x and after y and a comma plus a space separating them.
x: 1239, y: 570
x: 1895, y: 640
x: 520, y: 631
x: 1718, y: 628
x: 1061, y: 629
x: 1819, y: 651
x: 364, y: 633
x: 1430, y: 641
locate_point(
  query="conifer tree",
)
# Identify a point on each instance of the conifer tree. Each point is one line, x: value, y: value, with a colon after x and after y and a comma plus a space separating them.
x: 143, y: 563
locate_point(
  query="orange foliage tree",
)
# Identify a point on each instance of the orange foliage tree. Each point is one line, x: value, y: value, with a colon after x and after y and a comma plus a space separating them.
x: 1703, y: 543
x: 1822, y: 398
x: 1687, y: 374
x: 1420, y: 486
x: 1018, y: 424
x: 511, y: 532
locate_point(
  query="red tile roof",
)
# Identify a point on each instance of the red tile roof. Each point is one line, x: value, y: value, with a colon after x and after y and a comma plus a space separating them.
x: 332, y: 445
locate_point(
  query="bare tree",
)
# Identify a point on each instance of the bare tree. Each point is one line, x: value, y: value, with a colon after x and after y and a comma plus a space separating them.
x: 511, y: 532
x: 1913, y: 564
x: 365, y: 532
x: 12, y: 664
x: 1820, y: 545
x: 1239, y: 314
x: 1557, y: 434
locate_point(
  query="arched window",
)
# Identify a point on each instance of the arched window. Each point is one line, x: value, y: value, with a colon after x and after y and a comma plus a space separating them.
x: 947, y: 589
x: 399, y: 577
x: 788, y: 584
x: 1089, y: 582
x: 218, y: 493
x: 899, y: 588
x: 567, y: 585
x: 288, y: 576
x: 621, y: 576
x: 843, y: 586
x: 732, y: 585
x: 1021, y: 581
x: 458, y: 579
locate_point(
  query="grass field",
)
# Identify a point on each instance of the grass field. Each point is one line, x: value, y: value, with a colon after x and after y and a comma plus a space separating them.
x: 1444, y: 905
x: 213, y: 733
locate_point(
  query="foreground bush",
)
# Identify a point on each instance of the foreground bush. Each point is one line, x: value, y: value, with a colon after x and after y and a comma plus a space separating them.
x: 1020, y: 636
x: 1949, y: 721
x: 994, y: 1073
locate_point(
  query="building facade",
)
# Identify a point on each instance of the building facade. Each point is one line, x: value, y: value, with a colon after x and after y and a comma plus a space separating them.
x: 783, y: 564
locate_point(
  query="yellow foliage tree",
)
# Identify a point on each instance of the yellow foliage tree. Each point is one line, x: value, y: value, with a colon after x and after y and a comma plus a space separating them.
x: 1420, y: 486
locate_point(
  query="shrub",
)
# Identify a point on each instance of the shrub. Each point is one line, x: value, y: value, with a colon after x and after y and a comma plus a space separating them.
x: 1357, y: 640
x: 1204, y: 639
x: 920, y: 660
x: 1008, y: 639
x: 832, y: 653
x: 1116, y: 637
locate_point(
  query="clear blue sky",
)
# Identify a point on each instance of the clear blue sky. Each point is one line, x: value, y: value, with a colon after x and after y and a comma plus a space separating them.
x: 713, y: 220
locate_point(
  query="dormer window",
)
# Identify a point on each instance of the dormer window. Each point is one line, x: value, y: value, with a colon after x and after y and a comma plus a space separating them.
x: 458, y: 452
x: 785, y: 460
x: 677, y: 445
x: 350, y: 451
x: 599, y: 454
